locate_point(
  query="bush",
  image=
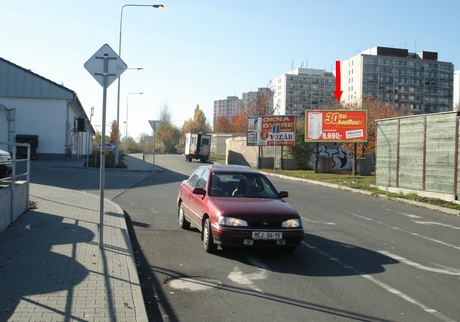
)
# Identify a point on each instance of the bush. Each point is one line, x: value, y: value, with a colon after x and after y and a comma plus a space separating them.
x: 301, y: 151
x: 95, y: 162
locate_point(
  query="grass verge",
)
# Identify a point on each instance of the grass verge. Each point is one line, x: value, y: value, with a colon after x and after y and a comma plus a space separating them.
x: 95, y: 162
x: 352, y: 181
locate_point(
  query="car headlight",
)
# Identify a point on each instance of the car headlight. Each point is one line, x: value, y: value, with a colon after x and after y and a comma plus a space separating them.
x: 231, y: 221
x: 291, y: 223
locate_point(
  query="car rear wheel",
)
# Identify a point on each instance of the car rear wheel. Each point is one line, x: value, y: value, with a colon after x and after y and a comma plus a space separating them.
x: 183, y: 223
x: 208, y: 241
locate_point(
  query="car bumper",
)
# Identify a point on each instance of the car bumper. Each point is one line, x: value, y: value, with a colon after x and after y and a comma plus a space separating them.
x: 5, y: 170
x: 243, y: 238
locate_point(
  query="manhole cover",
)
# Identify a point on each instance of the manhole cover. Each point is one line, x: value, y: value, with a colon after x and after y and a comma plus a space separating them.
x: 193, y: 283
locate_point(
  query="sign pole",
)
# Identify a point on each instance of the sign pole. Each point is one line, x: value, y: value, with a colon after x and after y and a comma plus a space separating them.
x: 275, y: 130
x: 102, y: 164
x: 108, y: 75
x: 274, y: 158
x: 153, y: 152
x: 154, y: 124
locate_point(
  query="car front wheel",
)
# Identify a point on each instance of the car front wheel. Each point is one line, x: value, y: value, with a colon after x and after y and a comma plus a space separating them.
x: 183, y: 223
x: 208, y: 241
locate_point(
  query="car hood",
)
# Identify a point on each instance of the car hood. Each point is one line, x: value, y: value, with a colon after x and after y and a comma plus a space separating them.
x: 253, y: 207
x: 5, y: 156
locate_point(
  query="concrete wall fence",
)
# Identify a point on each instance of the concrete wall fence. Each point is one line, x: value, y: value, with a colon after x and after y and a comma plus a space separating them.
x: 218, y: 141
x: 14, y: 190
x: 419, y: 154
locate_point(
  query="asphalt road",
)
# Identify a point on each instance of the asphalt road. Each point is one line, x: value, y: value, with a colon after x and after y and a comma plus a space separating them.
x: 362, y: 259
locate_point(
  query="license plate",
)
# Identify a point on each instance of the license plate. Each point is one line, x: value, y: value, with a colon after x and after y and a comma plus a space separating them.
x: 266, y: 235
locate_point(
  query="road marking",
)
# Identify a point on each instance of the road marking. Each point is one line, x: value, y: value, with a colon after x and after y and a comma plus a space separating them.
x: 383, y: 285
x: 405, y: 214
x: 317, y: 222
x: 407, y: 232
x: 429, y: 223
x: 408, y: 298
x: 446, y: 270
x: 427, y: 238
x: 362, y: 217
x: 239, y: 277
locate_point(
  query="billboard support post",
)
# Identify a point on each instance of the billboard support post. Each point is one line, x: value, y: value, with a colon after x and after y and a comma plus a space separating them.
x: 275, y: 131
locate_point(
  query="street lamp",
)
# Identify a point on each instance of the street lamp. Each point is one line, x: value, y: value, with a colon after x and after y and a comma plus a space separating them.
x: 157, y: 6
x: 125, y: 130
x: 127, y: 100
x: 89, y: 148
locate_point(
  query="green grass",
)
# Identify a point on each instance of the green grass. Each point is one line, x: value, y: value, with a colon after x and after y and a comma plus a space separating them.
x: 352, y: 181
x: 362, y: 183
x: 217, y: 158
x: 342, y: 179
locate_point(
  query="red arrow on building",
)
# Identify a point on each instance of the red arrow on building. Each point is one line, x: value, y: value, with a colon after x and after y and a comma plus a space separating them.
x: 337, y: 92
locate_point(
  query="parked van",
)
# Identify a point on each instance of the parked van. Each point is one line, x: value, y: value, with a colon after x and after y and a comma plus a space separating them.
x: 197, y: 146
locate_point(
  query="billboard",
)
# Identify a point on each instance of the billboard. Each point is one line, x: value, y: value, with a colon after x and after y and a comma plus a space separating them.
x: 336, y: 126
x: 266, y: 130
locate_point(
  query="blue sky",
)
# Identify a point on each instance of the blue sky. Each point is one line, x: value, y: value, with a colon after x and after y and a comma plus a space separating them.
x: 195, y: 52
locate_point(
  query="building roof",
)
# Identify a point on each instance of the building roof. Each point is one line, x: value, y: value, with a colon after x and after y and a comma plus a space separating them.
x: 18, y: 82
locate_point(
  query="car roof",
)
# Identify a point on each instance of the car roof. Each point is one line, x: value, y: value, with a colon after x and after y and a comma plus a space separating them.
x: 229, y: 168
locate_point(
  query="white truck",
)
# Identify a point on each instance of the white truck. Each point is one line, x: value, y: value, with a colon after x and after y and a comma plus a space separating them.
x: 197, y: 146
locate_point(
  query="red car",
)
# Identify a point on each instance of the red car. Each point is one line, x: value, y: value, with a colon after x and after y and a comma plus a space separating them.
x: 236, y: 206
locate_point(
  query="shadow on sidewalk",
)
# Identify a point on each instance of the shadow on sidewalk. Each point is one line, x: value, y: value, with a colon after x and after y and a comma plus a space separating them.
x: 31, y: 269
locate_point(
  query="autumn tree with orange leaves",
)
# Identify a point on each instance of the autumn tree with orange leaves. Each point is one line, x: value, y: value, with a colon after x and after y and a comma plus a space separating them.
x: 223, y: 125
x: 196, y: 125
x: 113, y: 131
x: 240, y: 123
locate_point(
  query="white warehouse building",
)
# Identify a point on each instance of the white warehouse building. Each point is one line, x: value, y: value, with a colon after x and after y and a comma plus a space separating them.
x: 33, y: 106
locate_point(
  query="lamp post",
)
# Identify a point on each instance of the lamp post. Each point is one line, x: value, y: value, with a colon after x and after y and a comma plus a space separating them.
x: 157, y: 6
x: 125, y: 137
x: 88, y: 148
x: 127, y: 101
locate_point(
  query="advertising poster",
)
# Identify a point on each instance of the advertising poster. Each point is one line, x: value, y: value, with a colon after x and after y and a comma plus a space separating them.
x: 260, y: 130
x: 336, y: 126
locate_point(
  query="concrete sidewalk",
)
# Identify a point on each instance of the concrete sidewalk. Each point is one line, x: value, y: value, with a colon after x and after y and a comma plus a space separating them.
x: 52, y: 267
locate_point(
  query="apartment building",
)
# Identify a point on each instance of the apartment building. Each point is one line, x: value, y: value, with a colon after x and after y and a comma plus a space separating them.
x: 303, y: 89
x: 457, y: 90
x: 409, y: 81
x: 229, y: 108
x: 258, y: 102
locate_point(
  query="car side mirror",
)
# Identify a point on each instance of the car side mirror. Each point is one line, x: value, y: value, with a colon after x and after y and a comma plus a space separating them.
x: 199, y: 191
x: 283, y: 194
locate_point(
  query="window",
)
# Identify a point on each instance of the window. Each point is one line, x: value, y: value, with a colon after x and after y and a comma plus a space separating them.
x: 385, y: 70
x: 370, y: 61
x: 401, y: 63
x: 196, y: 177
x: 384, y: 79
x: 203, y: 180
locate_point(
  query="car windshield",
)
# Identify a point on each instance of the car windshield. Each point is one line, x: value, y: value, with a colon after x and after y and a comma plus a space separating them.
x: 233, y: 184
